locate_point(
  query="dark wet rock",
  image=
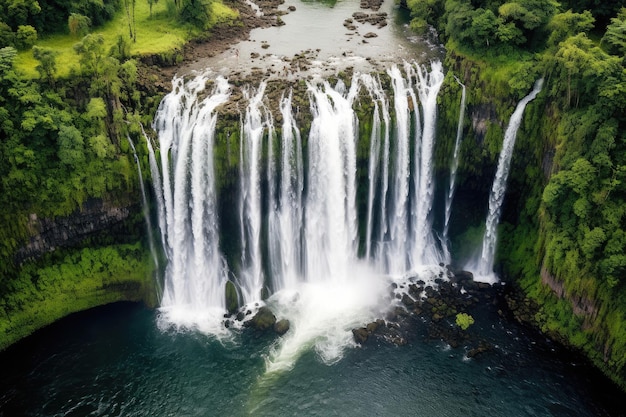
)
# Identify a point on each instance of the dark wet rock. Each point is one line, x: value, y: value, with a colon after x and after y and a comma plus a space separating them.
x: 281, y: 326
x: 370, y: 35
x: 360, y: 335
x: 264, y: 319
x: 462, y: 276
x: 481, y: 348
x: 407, y: 300
x: 291, y: 8
x: 265, y: 45
x: 371, y: 4
x: 232, y: 299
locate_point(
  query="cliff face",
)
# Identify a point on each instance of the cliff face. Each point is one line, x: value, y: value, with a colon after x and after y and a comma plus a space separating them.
x: 558, y: 288
x: 91, y: 257
x: 94, y: 217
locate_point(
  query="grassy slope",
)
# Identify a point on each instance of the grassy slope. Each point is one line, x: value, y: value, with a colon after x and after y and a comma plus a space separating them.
x: 157, y: 34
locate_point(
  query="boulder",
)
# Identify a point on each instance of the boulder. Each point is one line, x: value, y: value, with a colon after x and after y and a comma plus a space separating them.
x: 264, y: 319
x: 360, y: 335
x: 232, y: 300
x: 462, y: 276
x: 281, y: 326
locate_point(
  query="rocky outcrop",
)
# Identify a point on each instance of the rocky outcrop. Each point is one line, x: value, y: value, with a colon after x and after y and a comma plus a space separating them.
x: 95, y: 216
x: 433, y: 308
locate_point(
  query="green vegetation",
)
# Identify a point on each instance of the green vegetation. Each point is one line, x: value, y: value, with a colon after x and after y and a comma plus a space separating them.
x: 155, y: 28
x: 46, y: 291
x: 564, y: 231
x: 72, y: 93
x: 464, y: 320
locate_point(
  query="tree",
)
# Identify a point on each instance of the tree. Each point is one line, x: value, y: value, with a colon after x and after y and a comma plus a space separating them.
x: 91, y: 51
x: 152, y: 3
x: 78, y: 24
x: 7, y: 56
x: 70, y: 147
x: 484, y: 26
x: 121, y: 48
x: 7, y: 37
x: 129, y: 6
x: 25, y: 37
x: 564, y: 25
x: 18, y: 12
x: 195, y: 12
x: 47, y: 67
x: 615, y: 37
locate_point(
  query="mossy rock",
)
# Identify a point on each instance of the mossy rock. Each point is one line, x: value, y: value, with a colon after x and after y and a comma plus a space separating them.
x: 264, y: 319
x: 232, y: 299
x: 282, y: 326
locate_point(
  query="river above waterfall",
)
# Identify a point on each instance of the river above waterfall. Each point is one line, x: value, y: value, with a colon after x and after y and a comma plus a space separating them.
x: 114, y: 361
x: 321, y: 38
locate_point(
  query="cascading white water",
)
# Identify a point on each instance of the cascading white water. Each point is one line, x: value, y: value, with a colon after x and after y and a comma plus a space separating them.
x: 285, y: 217
x: 158, y: 186
x: 330, y: 208
x: 453, y: 169
x: 379, y: 141
x: 398, y: 252
x: 144, y: 205
x: 483, y: 266
x: 405, y: 240
x: 311, y: 261
x: 424, y: 248
x: 256, y: 120
x: 196, y: 273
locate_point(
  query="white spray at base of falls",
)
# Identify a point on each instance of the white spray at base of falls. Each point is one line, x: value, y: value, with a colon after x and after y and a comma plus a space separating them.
x: 297, y: 206
x: 483, y: 266
x: 453, y: 169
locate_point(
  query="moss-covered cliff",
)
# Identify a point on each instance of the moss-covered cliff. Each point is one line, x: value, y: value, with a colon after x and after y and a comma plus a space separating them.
x: 560, y: 239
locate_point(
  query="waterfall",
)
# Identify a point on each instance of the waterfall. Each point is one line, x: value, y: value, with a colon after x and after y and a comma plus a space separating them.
x: 285, y: 217
x: 146, y: 212
x: 196, y: 273
x: 330, y: 208
x: 252, y: 131
x: 406, y: 238
x: 453, y: 169
x: 379, y: 138
x: 297, y: 204
x: 428, y: 86
x: 483, y: 267
x: 158, y: 186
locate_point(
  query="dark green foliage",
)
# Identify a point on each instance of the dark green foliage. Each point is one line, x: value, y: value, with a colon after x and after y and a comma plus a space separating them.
x: 25, y: 37
x: 497, y: 25
x: 7, y: 37
x: 564, y: 25
x: 194, y: 12
x: 50, y: 16
x: 615, y: 37
x: 47, y: 67
x: 602, y: 10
